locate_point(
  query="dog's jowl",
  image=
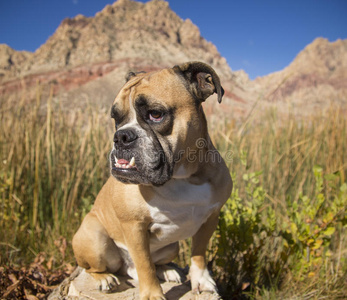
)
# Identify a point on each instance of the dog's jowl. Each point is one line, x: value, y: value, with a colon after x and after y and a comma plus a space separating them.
x: 163, y: 187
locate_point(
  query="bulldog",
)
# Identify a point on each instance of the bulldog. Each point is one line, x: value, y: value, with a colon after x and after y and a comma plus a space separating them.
x: 167, y: 183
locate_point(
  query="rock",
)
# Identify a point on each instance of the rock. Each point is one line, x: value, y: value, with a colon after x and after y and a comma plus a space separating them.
x: 80, y: 285
x: 11, y: 60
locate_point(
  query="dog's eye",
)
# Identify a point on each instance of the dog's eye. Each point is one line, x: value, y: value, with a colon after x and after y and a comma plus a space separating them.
x: 155, y: 116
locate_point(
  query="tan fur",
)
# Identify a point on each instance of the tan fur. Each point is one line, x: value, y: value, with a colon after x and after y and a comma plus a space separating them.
x: 122, y: 213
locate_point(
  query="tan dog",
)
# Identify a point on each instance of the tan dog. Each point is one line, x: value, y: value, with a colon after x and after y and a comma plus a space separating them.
x: 169, y: 183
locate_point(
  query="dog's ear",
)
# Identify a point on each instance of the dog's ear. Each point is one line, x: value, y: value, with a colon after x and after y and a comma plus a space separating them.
x: 131, y: 74
x: 202, y: 80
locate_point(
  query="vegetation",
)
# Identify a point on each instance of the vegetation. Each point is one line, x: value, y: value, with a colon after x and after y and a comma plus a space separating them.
x: 282, y: 233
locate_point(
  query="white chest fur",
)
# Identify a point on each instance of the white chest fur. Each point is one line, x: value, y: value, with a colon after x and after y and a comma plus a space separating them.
x: 178, y: 210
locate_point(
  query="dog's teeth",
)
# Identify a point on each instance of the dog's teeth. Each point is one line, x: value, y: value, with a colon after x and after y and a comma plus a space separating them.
x: 132, y: 162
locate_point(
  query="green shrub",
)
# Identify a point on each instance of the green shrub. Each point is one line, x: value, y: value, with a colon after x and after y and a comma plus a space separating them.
x: 261, y: 246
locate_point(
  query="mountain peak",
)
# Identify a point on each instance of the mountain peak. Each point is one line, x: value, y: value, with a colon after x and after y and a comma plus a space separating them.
x: 318, y: 73
x: 79, y: 21
x: 126, y: 30
x: 322, y: 56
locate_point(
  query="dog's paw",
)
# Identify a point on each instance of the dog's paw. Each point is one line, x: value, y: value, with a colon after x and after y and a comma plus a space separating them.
x: 153, y: 297
x: 106, y: 282
x: 202, y: 281
x: 170, y: 273
x: 152, y: 294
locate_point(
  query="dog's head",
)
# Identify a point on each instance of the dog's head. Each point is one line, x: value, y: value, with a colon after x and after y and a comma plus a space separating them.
x: 158, y: 116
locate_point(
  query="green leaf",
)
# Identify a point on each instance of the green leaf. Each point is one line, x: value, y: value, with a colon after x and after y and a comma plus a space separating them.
x: 317, y: 244
x: 317, y: 169
x: 329, y: 231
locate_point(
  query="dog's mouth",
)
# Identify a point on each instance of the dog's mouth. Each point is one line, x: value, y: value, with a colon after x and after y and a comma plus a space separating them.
x: 131, y: 167
x: 125, y: 169
x: 124, y: 164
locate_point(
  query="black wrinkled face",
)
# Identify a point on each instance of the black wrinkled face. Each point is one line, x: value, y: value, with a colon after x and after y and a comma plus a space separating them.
x: 141, y: 152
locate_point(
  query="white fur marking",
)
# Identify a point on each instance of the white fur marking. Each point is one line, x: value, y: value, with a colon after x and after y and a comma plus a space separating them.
x: 178, y: 211
x: 133, y: 122
x: 128, y: 264
x: 201, y: 279
x: 181, y: 173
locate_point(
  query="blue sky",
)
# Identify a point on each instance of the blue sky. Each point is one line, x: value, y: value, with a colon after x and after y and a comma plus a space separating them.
x: 259, y: 36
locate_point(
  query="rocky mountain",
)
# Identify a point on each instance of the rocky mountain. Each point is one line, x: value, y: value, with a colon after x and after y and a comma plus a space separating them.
x: 87, y: 57
x: 142, y: 34
x: 316, y: 77
x: 125, y: 30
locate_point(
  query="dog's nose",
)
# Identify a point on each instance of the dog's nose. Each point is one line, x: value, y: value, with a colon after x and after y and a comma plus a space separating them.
x: 124, y: 138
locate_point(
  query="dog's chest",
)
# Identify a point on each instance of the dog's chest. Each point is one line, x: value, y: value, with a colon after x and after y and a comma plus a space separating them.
x: 178, y: 210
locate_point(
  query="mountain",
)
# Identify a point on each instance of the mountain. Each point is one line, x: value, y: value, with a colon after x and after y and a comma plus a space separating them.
x: 86, y: 59
x: 150, y: 33
x: 315, y: 78
x: 89, y: 54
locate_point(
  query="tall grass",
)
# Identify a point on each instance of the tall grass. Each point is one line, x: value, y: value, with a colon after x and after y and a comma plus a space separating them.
x: 54, y: 162
x: 285, y: 149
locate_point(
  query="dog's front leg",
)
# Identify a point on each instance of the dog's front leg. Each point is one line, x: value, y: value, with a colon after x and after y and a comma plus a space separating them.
x: 137, y: 240
x: 200, y: 277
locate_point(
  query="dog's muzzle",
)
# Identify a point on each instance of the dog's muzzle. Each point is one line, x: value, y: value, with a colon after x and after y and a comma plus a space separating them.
x: 137, y: 160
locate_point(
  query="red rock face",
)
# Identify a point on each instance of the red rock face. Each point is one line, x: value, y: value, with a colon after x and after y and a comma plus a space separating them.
x: 65, y: 79
x: 302, y: 82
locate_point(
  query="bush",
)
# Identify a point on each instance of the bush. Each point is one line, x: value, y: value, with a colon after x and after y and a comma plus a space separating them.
x: 261, y: 247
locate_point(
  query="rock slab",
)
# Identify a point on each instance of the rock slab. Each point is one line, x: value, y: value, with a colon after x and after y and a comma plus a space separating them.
x: 81, y: 286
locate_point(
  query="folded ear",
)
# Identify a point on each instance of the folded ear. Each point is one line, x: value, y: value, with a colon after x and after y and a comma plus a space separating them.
x: 132, y: 74
x: 202, y: 80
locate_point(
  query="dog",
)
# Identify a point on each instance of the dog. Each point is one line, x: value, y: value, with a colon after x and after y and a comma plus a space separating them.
x: 167, y: 183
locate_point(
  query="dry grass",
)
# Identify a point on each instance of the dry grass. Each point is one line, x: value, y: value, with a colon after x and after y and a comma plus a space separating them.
x: 53, y: 164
